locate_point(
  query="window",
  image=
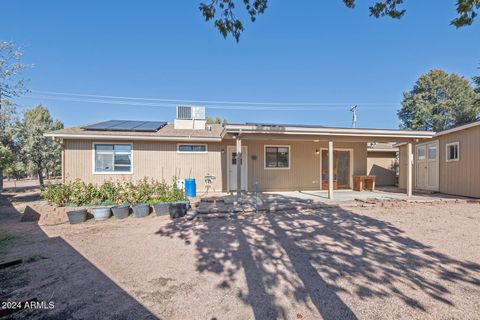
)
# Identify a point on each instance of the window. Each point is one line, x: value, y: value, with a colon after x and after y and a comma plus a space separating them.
x: 113, y: 158
x: 453, y: 151
x: 277, y: 157
x: 234, y: 159
x: 432, y: 152
x: 421, y: 153
x: 192, y: 148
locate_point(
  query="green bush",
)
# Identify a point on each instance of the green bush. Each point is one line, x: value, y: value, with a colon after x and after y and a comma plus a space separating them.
x: 79, y: 193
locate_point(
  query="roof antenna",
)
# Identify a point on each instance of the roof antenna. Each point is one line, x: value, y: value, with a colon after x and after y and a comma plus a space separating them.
x: 354, y: 116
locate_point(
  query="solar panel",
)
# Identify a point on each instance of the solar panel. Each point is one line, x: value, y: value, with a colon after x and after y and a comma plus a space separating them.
x: 150, y: 126
x: 103, y: 125
x: 126, y: 125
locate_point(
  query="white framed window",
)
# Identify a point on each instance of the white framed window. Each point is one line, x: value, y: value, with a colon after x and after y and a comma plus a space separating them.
x: 191, y: 148
x: 453, y: 151
x: 112, y: 158
x: 277, y: 157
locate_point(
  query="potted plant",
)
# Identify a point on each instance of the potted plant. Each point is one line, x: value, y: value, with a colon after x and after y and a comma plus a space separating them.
x: 121, y: 211
x: 101, y: 213
x: 178, y: 209
x: 77, y: 216
x: 104, y: 212
x: 161, y: 208
x: 141, y: 210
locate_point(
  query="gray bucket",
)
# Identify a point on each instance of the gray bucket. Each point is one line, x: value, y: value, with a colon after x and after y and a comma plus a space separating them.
x: 121, y: 211
x: 77, y: 216
x: 178, y: 209
x: 141, y: 210
x: 162, y: 208
x: 101, y: 214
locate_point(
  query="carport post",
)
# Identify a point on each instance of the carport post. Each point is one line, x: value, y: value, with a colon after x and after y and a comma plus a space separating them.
x: 409, y: 169
x: 330, y: 170
x: 239, y: 166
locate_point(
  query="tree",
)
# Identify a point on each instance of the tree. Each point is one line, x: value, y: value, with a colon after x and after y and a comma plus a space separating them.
x: 11, y: 85
x: 476, y: 81
x: 6, y: 157
x: 438, y: 101
x: 216, y: 120
x: 40, y: 151
x: 223, y: 12
x: 8, y: 127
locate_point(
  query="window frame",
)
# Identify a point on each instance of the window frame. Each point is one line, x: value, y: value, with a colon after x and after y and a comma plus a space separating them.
x: 276, y: 146
x: 111, y: 172
x: 447, y: 146
x: 192, y: 144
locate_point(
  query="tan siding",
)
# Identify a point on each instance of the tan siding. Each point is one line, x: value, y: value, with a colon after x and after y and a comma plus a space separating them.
x: 461, y: 177
x: 160, y: 160
x: 382, y: 166
x: 304, y: 172
x: 156, y: 160
x: 402, y: 167
x: 457, y: 177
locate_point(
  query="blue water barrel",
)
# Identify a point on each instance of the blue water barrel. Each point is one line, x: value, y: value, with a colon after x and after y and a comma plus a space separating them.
x: 190, y: 188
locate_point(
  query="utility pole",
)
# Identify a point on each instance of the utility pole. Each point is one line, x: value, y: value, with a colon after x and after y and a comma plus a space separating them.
x: 354, y: 116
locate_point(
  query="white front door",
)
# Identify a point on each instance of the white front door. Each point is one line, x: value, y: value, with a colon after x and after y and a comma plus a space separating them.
x: 232, y: 168
x: 426, y: 159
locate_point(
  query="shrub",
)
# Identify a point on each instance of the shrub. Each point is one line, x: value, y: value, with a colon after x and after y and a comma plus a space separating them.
x: 57, y: 194
x: 79, y: 193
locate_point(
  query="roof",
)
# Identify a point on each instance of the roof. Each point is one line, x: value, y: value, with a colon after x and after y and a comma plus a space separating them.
x: 166, y: 133
x: 330, y: 131
x: 459, y: 128
x: 382, y: 147
x: 452, y: 130
x: 218, y: 131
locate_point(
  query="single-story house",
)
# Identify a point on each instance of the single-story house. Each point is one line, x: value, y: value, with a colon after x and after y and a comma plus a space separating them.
x: 269, y: 157
x: 448, y: 163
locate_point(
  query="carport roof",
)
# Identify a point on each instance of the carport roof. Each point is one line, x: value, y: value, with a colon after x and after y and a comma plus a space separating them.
x: 327, y: 131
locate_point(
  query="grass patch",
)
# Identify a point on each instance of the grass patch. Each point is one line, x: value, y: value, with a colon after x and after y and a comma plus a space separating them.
x: 5, y: 241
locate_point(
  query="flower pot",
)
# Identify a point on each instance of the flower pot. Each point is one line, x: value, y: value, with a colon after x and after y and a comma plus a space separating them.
x: 141, y: 210
x: 101, y: 214
x: 121, y: 211
x: 162, y: 208
x: 178, y: 209
x: 77, y: 216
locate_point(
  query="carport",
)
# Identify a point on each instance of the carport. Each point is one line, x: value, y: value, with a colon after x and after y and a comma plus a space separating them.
x: 329, y: 141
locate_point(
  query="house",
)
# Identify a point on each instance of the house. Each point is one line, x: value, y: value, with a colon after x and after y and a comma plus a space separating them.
x: 448, y: 163
x: 269, y: 157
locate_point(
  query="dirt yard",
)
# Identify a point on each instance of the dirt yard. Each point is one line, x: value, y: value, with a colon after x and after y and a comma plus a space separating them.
x: 412, y: 262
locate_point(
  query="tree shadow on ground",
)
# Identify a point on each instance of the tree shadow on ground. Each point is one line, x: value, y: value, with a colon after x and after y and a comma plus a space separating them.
x: 54, y: 271
x: 310, y: 256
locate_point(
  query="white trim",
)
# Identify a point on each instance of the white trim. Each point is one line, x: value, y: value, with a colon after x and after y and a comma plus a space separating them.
x: 351, y: 164
x: 290, y: 130
x: 192, y: 144
x: 456, y: 143
x: 119, y: 137
x: 383, y: 150
x: 463, y: 127
x: 276, y: 146
x: 111, y: 172
x: 229, y: 164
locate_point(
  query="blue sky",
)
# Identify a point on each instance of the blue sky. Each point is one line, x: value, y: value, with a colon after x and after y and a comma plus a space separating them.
x: 320, y: 52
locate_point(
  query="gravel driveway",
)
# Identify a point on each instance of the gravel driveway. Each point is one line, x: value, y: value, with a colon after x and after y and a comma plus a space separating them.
x: 413, y: 262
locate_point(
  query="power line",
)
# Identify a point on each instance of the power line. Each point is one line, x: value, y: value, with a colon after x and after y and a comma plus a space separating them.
x: 225, y: 102
x: 222, y: 107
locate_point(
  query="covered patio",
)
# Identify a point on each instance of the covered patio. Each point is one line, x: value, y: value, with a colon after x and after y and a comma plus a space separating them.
x: 328, y: 144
